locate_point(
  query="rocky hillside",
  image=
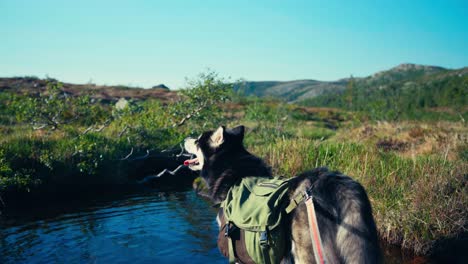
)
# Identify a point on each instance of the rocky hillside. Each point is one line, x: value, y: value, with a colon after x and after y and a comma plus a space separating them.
x: 407, y: 72
x: 291, y: 90
x: 404, y: 92
x: 34, y: 86
x: 306, y: 89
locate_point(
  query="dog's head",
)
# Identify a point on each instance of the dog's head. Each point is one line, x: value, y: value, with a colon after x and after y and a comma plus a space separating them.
x: 223, y: 160
x: 222, y: 141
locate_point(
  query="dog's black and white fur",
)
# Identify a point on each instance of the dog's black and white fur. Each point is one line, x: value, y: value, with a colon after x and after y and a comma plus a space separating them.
x: 343, y: 209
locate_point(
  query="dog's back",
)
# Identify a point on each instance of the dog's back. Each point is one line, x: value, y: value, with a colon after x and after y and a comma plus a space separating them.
x: 344, y: 217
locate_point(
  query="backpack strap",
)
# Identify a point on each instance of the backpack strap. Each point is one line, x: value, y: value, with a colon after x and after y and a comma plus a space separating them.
x: 295, y: 201
x: 231, y: 243
x: 314, y: 231
x: 313, y: 224
x: 265, y: 246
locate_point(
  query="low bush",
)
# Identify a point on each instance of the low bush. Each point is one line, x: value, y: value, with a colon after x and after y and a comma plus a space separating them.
x: 61, y: 139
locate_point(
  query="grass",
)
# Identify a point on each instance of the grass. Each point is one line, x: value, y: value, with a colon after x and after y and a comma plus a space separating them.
x: 67, y: 156
x: 415, y: 172
x: 417, y: 198
x: 57, y: 138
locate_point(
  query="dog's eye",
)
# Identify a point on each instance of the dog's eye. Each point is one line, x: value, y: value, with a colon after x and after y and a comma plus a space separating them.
x: 196, y: 141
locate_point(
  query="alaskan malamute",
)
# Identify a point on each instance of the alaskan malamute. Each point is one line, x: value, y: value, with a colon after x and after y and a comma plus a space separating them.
x: 343, y: 210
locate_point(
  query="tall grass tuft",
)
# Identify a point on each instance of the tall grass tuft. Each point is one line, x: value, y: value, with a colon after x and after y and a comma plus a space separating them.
x: 415, y: 201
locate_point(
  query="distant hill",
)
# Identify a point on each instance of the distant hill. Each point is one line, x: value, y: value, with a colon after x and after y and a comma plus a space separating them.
x: 405, y: 91
x: 290, y: 90
x: 301, y: 90
x: 401, y: 90
x: 34, y: 86
x: 406, y: 71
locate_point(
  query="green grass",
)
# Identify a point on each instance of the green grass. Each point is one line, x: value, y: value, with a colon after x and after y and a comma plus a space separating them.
x: 54, y: 138
x: 418, y: 193
x: 416, y: 201
x: 316, y: 133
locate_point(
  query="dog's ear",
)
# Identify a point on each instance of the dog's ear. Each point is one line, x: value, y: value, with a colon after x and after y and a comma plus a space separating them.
x: 217, y: 138
x: 238, y: 132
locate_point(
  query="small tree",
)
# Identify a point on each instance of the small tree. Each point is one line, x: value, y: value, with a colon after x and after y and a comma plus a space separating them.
x: 47, y: 110
x: 153, y: 123
x: 200, y: 100
x: 54, y: 107
x: 349, y: 93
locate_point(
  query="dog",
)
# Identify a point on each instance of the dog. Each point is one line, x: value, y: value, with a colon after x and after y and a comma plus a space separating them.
x: 343, y: 210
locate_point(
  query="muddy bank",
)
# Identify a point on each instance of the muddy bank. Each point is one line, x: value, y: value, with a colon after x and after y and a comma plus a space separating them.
x: 114, y: 177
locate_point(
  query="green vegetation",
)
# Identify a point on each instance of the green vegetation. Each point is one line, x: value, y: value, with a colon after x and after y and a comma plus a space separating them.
x: 55, y: 138
x: 435, y: 97
x: 414, y: 170
x: 405, y: 92
x: 417, y: 197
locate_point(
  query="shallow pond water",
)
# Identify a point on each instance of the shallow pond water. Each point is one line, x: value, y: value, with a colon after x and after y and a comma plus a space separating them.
x: 148, y: 227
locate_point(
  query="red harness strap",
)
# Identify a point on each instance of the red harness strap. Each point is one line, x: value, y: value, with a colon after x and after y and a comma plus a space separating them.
x: 314, y: 231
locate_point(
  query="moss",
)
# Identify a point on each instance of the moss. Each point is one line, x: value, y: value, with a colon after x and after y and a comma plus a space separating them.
x: 199, y: 185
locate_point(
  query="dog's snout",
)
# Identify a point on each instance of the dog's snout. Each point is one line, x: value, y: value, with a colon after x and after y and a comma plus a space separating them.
x: 189, y: 144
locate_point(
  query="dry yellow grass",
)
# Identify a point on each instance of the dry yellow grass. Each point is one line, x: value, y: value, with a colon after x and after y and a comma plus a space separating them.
x: 442, y: 139
x: 419, y: 195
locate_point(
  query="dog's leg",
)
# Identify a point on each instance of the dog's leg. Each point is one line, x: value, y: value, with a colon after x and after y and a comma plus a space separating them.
x: 301, y: 248
x: 356, y: 237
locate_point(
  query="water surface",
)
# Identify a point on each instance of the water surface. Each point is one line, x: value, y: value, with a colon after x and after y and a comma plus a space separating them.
x: 151, y: 227
x: 147, y: 227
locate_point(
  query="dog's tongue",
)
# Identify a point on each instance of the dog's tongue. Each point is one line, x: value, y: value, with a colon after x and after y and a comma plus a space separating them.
x: 190, y: 161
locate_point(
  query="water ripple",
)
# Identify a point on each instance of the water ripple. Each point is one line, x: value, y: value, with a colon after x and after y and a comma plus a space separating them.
x: 157, y: 227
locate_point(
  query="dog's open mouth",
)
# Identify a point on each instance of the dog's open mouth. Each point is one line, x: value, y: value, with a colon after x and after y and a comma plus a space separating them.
x: 195, y: 162
x: 191, y: 162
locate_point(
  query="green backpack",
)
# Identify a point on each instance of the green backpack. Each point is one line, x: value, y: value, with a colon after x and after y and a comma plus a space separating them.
x: 253, y: 213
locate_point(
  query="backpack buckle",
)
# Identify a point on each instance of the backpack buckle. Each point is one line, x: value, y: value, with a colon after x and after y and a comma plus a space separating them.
x: 226, y: 230
x: 264, y: 238
x: 229, y: 229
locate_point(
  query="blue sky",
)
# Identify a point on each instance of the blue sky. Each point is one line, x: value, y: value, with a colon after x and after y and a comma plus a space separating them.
x: 144, y: 43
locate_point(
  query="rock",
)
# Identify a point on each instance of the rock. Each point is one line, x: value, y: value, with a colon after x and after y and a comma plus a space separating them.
x: 121, y: 104
x: 160, y: 86
x: 199, y: 186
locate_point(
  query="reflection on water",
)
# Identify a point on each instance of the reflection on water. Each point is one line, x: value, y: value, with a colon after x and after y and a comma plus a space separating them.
x: 157, y: 227
x: 152, y: 227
